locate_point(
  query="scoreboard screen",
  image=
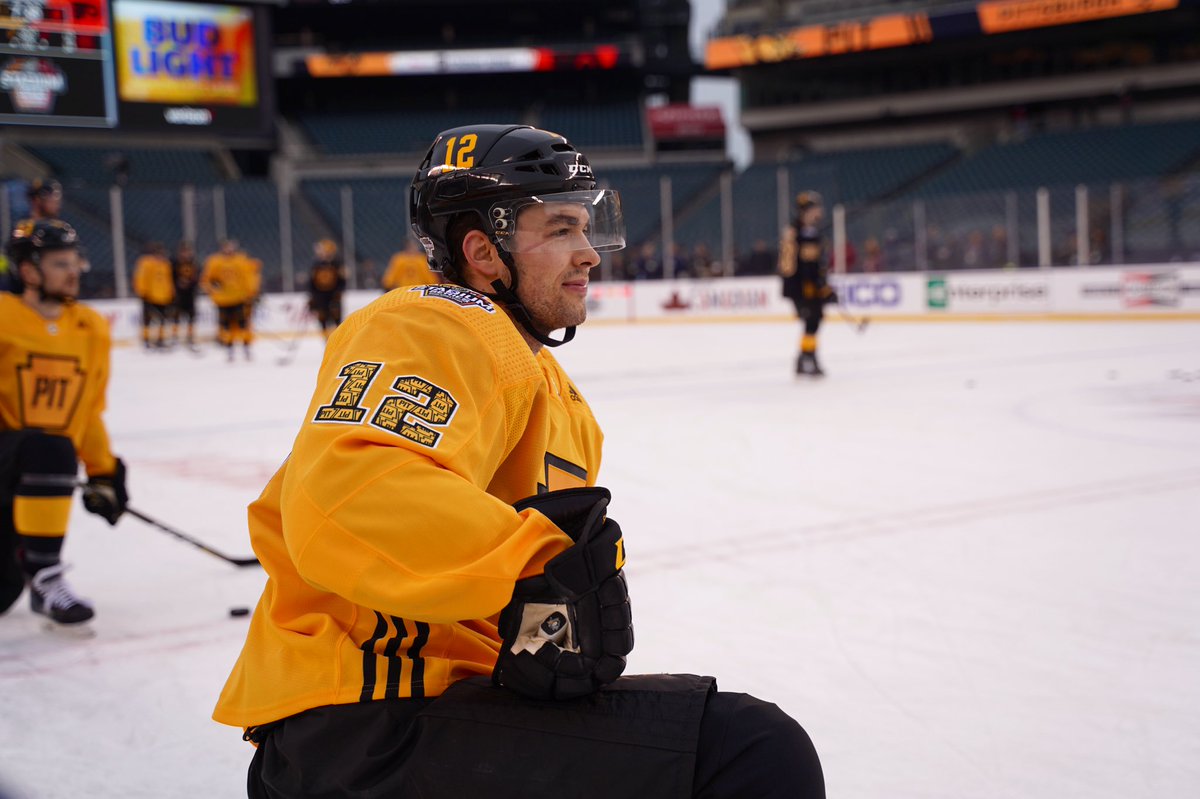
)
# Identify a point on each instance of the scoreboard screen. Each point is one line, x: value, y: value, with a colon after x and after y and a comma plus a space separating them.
x: 55, y: 64
x: 190, y: 66
x: 135, y: 65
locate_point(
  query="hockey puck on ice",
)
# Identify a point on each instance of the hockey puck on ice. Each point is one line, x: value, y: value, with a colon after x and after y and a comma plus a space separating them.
x: 239, y: 611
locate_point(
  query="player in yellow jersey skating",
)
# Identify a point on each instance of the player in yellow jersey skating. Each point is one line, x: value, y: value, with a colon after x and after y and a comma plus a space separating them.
x: 446, y: 612
x: 54, y: 366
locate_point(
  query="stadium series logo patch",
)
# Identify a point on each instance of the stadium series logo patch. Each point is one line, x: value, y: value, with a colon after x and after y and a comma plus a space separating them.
x: 464, y: 298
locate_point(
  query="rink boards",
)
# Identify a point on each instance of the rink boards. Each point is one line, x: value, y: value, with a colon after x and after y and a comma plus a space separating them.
x: 1167, y: 291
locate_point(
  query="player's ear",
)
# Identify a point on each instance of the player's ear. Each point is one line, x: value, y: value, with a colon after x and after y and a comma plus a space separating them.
x: 29, y: 273
x: 482, y: 260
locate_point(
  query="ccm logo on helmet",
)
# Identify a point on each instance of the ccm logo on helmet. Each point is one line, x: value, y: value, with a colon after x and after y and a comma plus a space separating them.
x: 579, y: 168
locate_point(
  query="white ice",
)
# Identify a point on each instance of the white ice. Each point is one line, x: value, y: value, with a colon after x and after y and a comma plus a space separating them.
x: 968, y: 561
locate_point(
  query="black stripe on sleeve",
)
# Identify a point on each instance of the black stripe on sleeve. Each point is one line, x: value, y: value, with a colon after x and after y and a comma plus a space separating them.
x: 418, y: 667
x: 369, y: 658
x: 395, y: 665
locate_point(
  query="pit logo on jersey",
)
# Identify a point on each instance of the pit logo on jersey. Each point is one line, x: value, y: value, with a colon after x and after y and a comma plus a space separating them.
x: 464, y: 298
x: 50, y: 387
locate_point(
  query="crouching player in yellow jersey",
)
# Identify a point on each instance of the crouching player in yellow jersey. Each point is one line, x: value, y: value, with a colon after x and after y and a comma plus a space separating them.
x: 54, y: 358
x: 446, y: 612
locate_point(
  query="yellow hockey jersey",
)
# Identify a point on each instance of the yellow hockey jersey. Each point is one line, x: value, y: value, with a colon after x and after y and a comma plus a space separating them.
x: 153, y: 281
x: 388, y: 536
x: 408, y: 269
x: 231, y: 279
x: 54, y: 375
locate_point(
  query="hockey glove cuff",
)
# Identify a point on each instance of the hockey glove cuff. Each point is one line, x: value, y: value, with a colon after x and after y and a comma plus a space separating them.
x: 105, y: 495
x: 567, y: 631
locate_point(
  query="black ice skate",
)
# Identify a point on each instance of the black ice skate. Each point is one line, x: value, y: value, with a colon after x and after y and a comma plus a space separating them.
x: 50, y: 596
x: 806, y: 365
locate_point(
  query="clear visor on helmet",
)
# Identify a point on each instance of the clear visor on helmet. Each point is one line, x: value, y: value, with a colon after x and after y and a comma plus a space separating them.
x: 564, y: 222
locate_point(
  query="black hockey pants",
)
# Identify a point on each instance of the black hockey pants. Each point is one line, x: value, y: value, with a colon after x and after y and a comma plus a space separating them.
x: 636, y: 738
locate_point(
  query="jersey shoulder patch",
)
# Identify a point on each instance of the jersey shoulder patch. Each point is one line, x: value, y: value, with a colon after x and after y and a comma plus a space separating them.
x: 462, y: 297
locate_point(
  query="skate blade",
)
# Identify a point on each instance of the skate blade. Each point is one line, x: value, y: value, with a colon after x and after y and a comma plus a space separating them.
x: 81, y: 630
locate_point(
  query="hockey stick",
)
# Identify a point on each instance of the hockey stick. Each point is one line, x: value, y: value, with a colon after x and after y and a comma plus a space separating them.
x: 289, y: 353
x: 860, y: 324
x: 250, y: 561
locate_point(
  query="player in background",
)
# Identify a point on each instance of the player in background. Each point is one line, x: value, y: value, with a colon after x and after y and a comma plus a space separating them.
x: 802, y: 265
x: 54, y: 367
x: 409, y: 267
x: 446, y: 612
x: 154, y: 284
x: 326, y: 282
x: 185, y: 273
x: 45, y: 202
x: 254, y: 289
x: 231, y: 280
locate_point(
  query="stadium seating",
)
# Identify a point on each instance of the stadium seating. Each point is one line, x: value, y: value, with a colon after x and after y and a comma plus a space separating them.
x: 850, y: 176
x: 99, y: 166
x: 252, y: 217
x: 382, y: 132
x: 641, y: 195
x: 380, y: 207
x: 88, y: 211
x: 1096, y: 156
x: 597, y: 125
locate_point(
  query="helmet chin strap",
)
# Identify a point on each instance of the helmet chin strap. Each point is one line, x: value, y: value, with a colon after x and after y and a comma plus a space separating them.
x: 507, y: 296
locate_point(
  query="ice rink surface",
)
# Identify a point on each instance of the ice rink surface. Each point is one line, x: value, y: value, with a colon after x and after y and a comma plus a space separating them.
x: 968, y: 561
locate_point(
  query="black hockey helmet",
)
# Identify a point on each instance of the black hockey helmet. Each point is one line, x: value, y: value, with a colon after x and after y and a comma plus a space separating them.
x: 807, y: 199
x: 43, y: 187
x: 492, y: 171
x: 31, y: 239
x: 44, y: 235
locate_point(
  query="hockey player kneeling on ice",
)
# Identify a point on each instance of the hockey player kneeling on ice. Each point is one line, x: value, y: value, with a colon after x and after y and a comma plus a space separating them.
x: 446, y: 612
x: 54, y: 363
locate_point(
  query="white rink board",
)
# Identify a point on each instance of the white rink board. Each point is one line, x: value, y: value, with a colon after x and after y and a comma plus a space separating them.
x: 1158, y: 289
x: 1164, y: 290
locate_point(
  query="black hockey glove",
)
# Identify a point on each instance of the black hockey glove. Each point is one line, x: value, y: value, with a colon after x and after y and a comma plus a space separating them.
x: 105, y: 494
x: 831, y: 298
x: 566, y: 632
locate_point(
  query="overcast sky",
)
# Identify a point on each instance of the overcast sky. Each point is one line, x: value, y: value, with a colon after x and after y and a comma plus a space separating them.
x: 717, y: 91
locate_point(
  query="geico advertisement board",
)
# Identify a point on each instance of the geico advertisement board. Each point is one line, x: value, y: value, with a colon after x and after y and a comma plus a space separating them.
x: 987, y: 292
x: 1153, y: 288
x: 880, y: 295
